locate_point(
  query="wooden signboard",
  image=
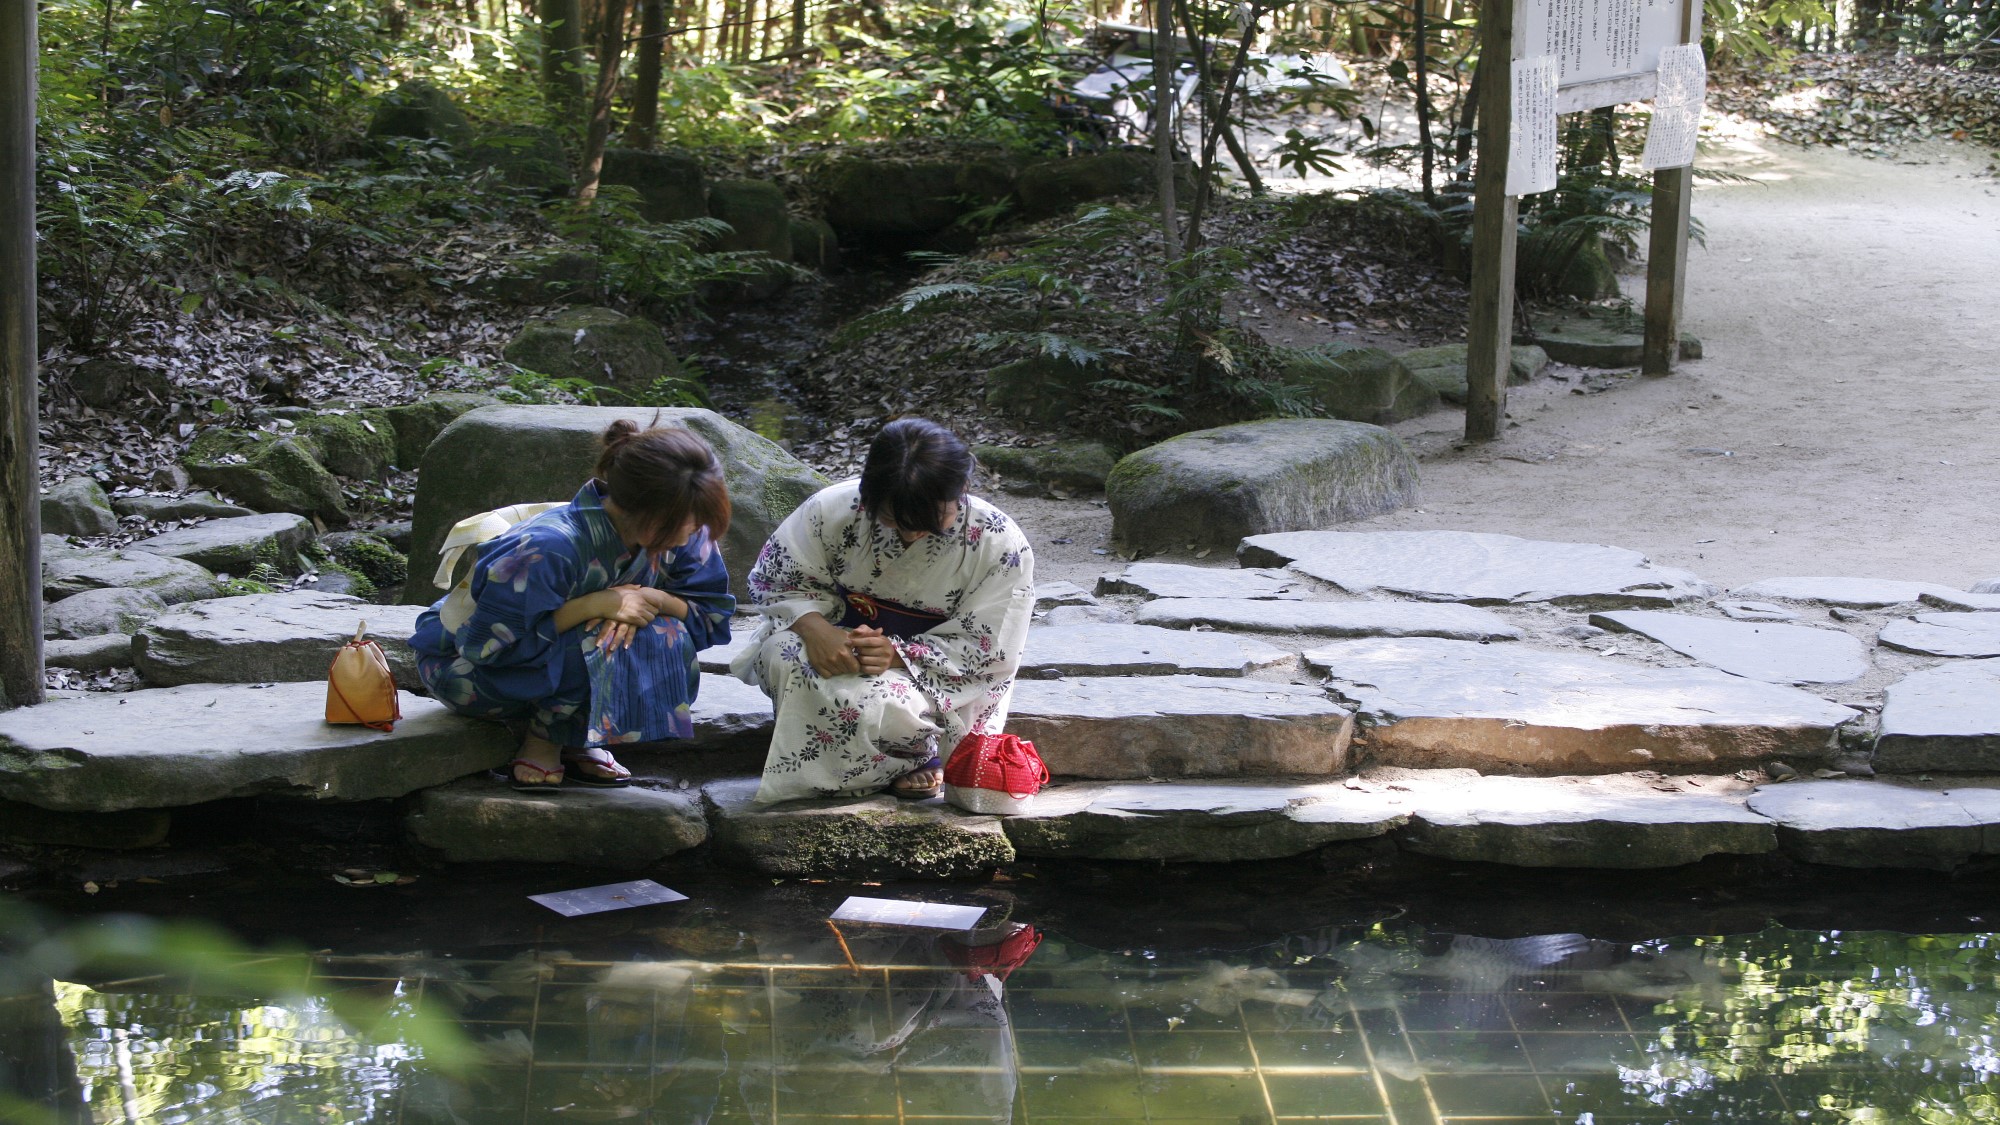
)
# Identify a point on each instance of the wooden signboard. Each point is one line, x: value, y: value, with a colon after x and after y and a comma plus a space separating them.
x: 1539, y: 58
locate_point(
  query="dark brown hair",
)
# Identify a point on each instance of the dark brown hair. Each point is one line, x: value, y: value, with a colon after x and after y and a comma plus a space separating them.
x: 914, y: 467
x: 662, y: 475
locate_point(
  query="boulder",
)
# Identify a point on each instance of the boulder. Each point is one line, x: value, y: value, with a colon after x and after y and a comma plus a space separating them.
x: 417, y: 424
x: 1067, y: 467
x: 89, y: 654
x: 1602, y: 338
x: 1619, y: 822
x: 268, y: 472
x: 669, y: 182
x: 1945, y: 718
x: 1178, y: 580
x: 352, y: 444
x: 1882, y: 824
x: 372, y: 558
x: 1055, y: 187
x: 1851, y: 593
x: 1564, y: 266
x: 1442, y: 369
x: 1195, y: 822
x: 1945, y: 634
x: 1142, y: 650
x: 529, y: 157
x: 867, y: 195
x: 480, y: 820
x: 547, y: 277
x: 1331, y: 619
x: 195, y: 506
x: 420, y: 111
x: 174, y: 580
x: 1777, y: 654
x: 1475, y: 567
x: 1180, y: 726
x: 94, y: 613
x: 877, y: 837
x: 235, y: 546
x: 261, y: 638
x: 505, y: 455
x: 1041, y: 389
x: 78, y: 507
x: 757, y: 216
x: 1504, y: 709
x: 1211, y: 488
x: 116, y: 384
x: 166, y: 747
x: 601, y: 346
x: 1356, y: 383
x: 814, y: 245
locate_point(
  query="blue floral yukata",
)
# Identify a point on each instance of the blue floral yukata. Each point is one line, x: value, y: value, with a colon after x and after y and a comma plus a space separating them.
x: 508, y: 662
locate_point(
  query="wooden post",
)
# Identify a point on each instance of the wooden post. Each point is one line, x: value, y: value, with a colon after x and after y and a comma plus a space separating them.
x: 1489, y: 333
x: 1667, y: 248
x: 20, y: 406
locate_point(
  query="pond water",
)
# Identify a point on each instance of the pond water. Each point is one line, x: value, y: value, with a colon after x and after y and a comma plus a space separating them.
x: 745, y: 1005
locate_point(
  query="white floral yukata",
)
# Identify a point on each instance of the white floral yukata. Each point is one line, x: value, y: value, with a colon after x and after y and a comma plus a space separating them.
x: 973, y: 586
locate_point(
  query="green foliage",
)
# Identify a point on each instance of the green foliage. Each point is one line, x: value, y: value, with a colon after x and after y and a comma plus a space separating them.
x: 660, y: 267
x: 704, y: 106
x: 1304, y: 154
x: 945, y: 72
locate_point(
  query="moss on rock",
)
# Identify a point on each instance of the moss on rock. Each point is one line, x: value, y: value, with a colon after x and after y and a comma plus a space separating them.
x: 605, y: 347
x: 1073, y: 465
x: 267, y: 472
x: 368, y: 557
x: 1358, y: 384
x: 355, y: 445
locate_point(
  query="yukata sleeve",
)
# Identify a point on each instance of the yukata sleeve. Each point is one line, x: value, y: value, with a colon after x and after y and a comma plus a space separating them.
x: 962, y: 661
x: 698, y: 577
x: 518, y: 583
x: 794, y: 574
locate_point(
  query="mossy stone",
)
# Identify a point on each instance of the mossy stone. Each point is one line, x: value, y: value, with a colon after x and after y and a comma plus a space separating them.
x: 814, y: 244
x: 756, y: 214
x: 1443, y: 368
x: 669, y: 182
x: 1055, y: 187
x: 354, y: 445
x: 1073, y: 465
x: 526, y: 156
x: 869, y: 195
x: 78, y: 506
x: 421, y: 111
x: 1358, y: 384
x: 417, y: 424
x: 1546, y: 264
x: 603, y: 346
x: 383, y: 566
x: 547, y: 278
x: 267, y: 472
x: 1041, y: 389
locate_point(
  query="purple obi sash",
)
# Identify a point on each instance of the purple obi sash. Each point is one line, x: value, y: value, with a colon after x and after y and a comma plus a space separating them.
x: 880, y: 613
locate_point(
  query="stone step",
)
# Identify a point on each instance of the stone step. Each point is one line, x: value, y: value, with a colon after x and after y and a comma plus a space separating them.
x: 1945, y: 718
x: 166, y: 747
x: 1777, y: 654
x: 1505, y: 709
x: 1332, y: 619
x: 1848, y: 593
x: 1185, y: 821
x: 717, y: 658
x: 1178, y: 580
x: 1952, y: 599
x: 851, y: 838
x: 1945, y: 634
x: 480, y: 820
x: 261, y: 638
x: 235, y: 546
x: 1475, y: 567
x: 1180, y: 726
x: 1883, y: 824
x: 1143, y: 650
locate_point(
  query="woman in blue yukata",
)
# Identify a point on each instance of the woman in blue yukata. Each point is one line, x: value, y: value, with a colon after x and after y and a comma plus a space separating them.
x: 894, y: 612
x: 586, y: 619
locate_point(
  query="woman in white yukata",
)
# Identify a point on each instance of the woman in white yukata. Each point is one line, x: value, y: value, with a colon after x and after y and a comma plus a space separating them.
x: 895, y: 607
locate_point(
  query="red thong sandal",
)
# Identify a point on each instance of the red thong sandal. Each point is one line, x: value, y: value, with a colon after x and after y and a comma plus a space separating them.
x: 912, y: 793
x: 593, y: 769
x: 541, y: 779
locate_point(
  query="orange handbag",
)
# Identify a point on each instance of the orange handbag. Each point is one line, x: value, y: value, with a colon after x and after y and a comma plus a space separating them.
x: 360, y: 687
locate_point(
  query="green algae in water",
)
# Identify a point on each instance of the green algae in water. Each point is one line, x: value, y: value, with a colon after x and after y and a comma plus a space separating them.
x: 1369, y: 1023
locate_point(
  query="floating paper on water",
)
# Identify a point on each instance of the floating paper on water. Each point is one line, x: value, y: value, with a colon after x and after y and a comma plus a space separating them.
x: 923, y: 915
x: 1531, y: 135
x: 611, y: 896
x: 1677, y: 107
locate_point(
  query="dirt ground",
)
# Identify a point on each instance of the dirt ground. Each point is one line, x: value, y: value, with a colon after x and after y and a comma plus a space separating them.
x: 1850, y: 311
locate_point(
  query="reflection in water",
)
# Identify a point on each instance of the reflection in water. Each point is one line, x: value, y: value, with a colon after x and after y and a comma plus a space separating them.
x: 1387, y: 1024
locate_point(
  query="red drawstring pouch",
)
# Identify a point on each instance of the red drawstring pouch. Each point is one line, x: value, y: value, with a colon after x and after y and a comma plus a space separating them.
x: 994, y: 773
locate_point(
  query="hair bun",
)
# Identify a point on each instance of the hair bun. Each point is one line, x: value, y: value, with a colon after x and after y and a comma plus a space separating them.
x: 617, y: 433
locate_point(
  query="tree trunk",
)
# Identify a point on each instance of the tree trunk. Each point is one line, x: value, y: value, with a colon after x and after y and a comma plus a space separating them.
x: 1164, y: 124
x: 798, y: 40
x: 562, y: 52
x: 1423, y: 52
x: 644, y: 128
x: 610, y: 49
x: 20, y: 407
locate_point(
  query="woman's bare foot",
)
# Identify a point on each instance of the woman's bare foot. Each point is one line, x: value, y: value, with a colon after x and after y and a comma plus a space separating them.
x: 924, y: 781
x: 539, y: 764
x: 595, y: 766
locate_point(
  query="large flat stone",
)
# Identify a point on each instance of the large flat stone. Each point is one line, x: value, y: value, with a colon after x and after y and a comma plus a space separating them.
x: 1180, y: 726
x: 173, y: 580
x: 1882, y: 824
x: 1332, y: 619
x: 1945, y: 634
x: 1143, y: 650
x: 1476, y: 567
x: 1505, y: 709
x: 480, y: 820
x: 730, y: 714
x: 89, y: 654
x: 235, y: 546
x: 1944, y: 718
x: 1778, y: 654
x: 185, y: 745
x: 1611, y: 822
x: 1051, y: 595
x: 1178, y: 580
x: 1198, y: 822
x: 259, y: 638
x: 876, y: 837
x: 1975, y: 603
x: 1851, y: 593
x: 718, y: 657
x: 95, y: 613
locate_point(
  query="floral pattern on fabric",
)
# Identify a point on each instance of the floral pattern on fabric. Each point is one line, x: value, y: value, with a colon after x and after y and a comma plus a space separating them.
x: 855, y: 734
x: 507, y: 661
